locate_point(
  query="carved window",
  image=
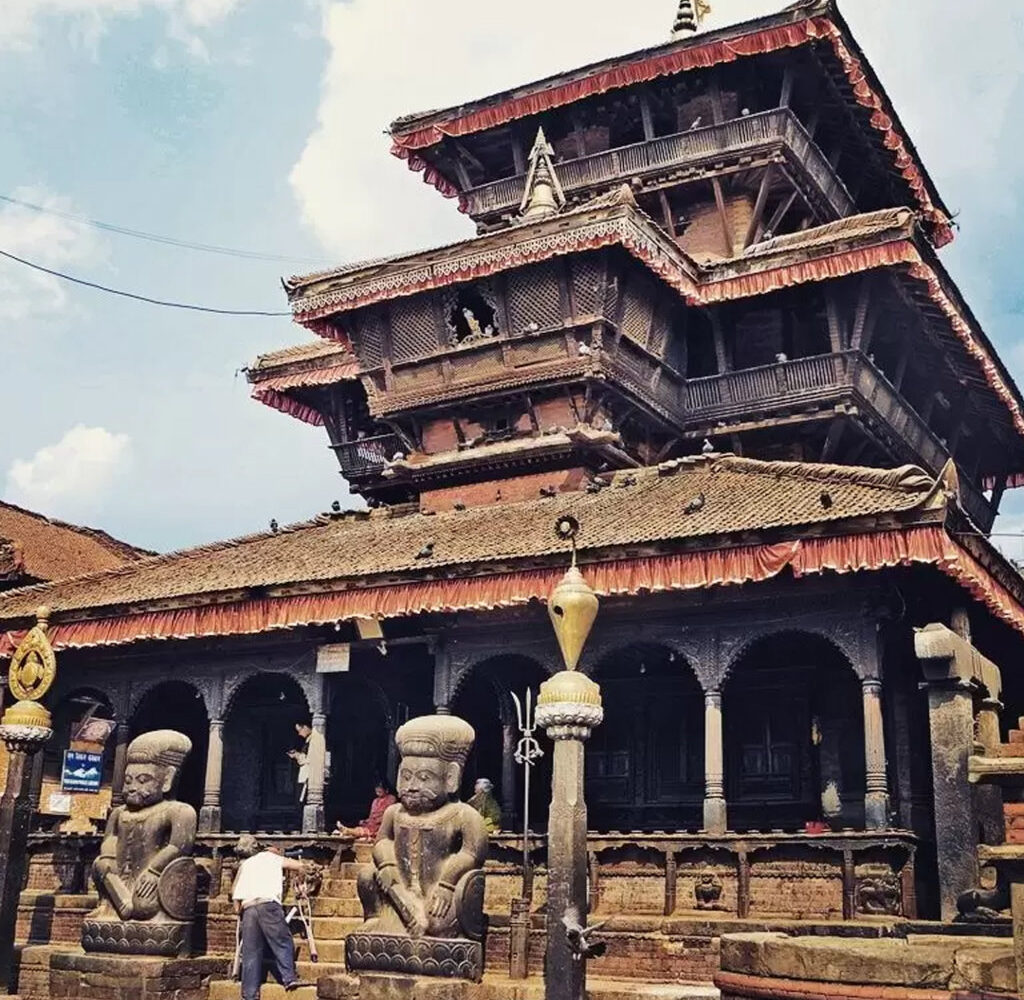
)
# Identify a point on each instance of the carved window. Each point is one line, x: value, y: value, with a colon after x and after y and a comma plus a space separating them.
x: 471, y: 316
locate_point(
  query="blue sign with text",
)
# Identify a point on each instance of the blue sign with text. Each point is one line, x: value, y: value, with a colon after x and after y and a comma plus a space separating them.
x: 82, y: 772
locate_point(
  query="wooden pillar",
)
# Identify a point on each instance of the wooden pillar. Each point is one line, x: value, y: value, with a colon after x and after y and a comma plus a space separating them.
x: 876, y: 794
x: 313, y: 810
x: 120, y: 763
x: 715, y: 809
x: 210, y: 815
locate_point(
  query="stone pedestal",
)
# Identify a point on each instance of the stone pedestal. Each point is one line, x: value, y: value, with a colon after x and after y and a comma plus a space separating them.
x: 74, y: 976
x: 449, y: 958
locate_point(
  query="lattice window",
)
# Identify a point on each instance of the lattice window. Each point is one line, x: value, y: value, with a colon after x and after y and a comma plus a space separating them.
x: 588, y: 285
x: 636, y: 310
x: 534, y: 300
x: 413, y: 329
x: 659, y: 330
x: 369, y: 337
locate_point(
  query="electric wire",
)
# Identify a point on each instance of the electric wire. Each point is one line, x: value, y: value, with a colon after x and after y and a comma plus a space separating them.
x: 157, y: 238
x: 140, y: 298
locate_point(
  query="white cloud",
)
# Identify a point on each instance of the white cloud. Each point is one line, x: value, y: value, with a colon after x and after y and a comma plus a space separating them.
x: 69, y: 478
x: 44, y: 239
x: 21, y: 21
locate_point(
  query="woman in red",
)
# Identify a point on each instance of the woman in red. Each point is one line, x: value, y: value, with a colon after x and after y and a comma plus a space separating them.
x: 367, y: 828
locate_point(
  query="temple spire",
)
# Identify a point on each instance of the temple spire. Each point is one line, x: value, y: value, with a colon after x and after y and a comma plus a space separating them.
x: 688, y: 17
x: 543, y: 194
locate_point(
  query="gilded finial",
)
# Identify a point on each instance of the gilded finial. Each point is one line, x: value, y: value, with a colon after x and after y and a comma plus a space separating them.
x: 34, y: 665
x: 543, y: 193
x: 689, y: 16
x: 572, y: 605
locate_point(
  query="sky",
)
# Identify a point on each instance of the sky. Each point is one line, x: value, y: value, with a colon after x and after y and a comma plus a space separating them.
x: 259, y: 125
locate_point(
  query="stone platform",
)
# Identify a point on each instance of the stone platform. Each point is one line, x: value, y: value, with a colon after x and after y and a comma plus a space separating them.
x: 943, y: 966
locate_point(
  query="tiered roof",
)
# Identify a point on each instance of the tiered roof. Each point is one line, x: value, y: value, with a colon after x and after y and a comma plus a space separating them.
x: 691, y: 523
x: 34, y: 547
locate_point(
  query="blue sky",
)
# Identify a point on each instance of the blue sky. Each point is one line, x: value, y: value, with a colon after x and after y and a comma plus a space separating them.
x: 258, y: 124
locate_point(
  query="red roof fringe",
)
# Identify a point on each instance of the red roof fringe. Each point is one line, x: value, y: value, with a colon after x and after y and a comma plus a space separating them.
x: 929, y: 545
x: 283, y: 402
x: 669, y: 63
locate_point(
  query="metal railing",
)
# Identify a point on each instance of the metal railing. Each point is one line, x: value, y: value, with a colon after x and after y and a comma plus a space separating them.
x: 779, y: 127
x: 367, y: 456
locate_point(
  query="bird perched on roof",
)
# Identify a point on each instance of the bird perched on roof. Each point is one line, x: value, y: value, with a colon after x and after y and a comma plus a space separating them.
x: 707, y: 448
x: 336, y: 506
x: 548, y: 491
x: 583, y: 348
x: 627, y: 480
x: 398, y: 456
x: 273, y: 525
x: 459, y: 505
x: 826, y: 499
x: 695, y: 504
x: 426, y: 552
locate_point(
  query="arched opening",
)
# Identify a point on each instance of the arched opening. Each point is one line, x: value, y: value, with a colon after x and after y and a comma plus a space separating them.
x: 358, y: 732
x: 485, y: 701
x: 794, y: 734
x: 178, y: 705
x: 83, y: 722
x: 645, y: 762
x: 262, y: 791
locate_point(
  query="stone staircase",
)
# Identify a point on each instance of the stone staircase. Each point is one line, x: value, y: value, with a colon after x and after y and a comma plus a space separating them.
x: 336, y: 911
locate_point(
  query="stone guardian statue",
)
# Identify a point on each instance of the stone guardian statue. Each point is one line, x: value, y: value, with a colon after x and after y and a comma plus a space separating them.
x: 423, y: 895
x: 145, y: 874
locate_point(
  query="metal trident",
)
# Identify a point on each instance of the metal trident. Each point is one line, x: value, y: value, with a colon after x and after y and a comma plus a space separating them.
x: 527, y: 753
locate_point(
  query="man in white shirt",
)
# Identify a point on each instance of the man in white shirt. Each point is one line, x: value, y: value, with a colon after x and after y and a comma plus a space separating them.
x: 311, y: 756
x: 257, y: 892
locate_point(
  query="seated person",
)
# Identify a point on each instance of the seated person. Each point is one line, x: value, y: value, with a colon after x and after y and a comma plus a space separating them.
x: 369, y: 827
x: 484, y: 802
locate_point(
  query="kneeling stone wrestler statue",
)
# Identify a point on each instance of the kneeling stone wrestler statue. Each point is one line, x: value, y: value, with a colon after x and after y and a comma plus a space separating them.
x: 426, y: 881
x: 145, y: 873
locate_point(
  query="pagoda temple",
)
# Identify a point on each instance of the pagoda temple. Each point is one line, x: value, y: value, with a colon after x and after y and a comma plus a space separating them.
x: 704, y: 313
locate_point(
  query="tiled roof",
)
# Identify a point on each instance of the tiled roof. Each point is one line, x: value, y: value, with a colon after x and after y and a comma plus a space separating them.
x: 899, y: 220
x: 691, y: 500
x: 313, y: 350
x: 51, y: 550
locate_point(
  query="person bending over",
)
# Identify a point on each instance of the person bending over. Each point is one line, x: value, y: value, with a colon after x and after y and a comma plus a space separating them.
x: 257, y: 893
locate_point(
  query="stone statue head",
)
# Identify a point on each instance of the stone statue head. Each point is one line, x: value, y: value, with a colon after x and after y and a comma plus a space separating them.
x: 434, y: 750
x: 154, y: 761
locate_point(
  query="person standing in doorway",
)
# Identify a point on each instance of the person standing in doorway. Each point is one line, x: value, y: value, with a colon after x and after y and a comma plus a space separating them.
x: 256, y: 895
x: 312, y: 754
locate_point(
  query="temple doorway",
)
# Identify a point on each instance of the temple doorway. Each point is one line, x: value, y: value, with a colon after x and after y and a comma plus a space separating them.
x: 794, y: 736
x: 484, y: 700
x: 260, y: 785
x: 360, y: 729
x: 178, y: 705
x: 645, y: 762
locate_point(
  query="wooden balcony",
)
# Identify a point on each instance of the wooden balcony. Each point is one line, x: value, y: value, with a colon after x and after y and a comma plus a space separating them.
x: 819, y: 382
x: 778, y: 130
x: 367, y: 456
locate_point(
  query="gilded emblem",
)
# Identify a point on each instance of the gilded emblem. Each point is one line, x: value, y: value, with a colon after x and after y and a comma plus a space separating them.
x: 34, y: 666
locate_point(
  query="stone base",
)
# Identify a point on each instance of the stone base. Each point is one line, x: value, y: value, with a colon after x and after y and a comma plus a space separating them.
x: 443, y: 957
x: 74, y: 976
x: 137, y: 937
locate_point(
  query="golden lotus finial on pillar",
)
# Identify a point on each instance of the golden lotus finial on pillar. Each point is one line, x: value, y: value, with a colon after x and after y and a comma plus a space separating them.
x: 32, y: 673
x: 572, y: 605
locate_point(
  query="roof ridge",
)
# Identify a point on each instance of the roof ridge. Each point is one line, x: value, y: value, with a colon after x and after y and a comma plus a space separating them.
x: 910, y: 478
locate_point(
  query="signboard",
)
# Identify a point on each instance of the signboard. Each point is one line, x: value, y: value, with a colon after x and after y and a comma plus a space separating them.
x: 82, y: 772
x: 92, y: 730
x: 59, y: 803
x: 333, y: 659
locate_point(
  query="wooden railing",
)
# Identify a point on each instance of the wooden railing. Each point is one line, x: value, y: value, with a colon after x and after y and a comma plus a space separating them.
x: 741, y: 135
x: 759, y: 391
x: 367, y: 456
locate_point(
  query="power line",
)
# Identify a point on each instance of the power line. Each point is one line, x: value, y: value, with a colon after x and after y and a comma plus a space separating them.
x: 157, y: 238
x: 139, y: 298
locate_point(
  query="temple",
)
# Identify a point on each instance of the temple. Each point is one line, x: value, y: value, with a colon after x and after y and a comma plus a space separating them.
x: 704, y: 313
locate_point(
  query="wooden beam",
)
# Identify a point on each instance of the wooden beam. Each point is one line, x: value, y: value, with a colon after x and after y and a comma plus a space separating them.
x: 721, y: 353
x: 781, y: 212
x: 646, y: 117
x: 860, y: 314
x: 759, y: 204
x: 787, y: 87
x: 835, y: 433
x: 835, y: 326
x: 717, y: 111
x: 901, y: 365
x: 720, y: 202
x: 469, y: 157
x: 666, y: 210
x: 518, y: 152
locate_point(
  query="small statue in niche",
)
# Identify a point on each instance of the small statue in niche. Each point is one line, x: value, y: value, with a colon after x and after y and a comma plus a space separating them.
x: 423, y: 896
x: 708, y: 891
x: 145, y: 873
